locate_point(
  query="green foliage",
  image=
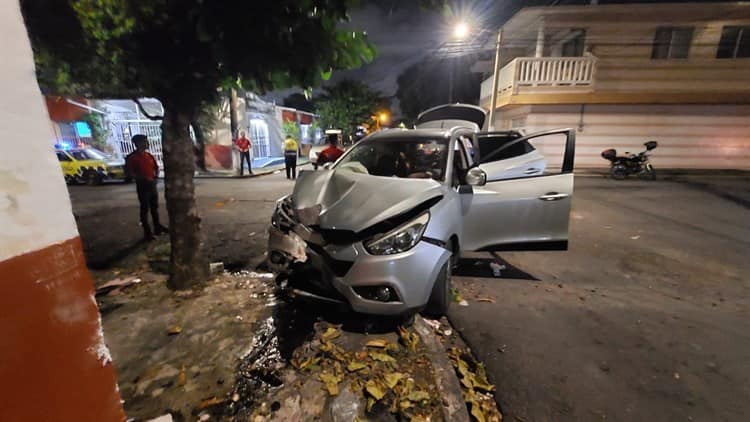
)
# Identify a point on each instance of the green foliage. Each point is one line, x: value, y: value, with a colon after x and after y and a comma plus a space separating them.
x: 182, y: 51
x: 348, y: 104
x: 291, y: 129
x: 98, y: 131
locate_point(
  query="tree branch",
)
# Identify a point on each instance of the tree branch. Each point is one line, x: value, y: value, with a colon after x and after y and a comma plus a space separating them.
x: 144, y: 112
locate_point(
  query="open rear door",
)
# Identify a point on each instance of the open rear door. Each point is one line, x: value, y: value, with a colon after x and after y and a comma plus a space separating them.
x: 451, y: 115
x: 517, y: 211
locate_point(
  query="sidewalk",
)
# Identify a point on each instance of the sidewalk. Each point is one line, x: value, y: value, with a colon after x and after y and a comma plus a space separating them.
x: 261, y: 171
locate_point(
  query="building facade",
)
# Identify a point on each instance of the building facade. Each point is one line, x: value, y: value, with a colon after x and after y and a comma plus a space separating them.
x: 624, y: 74
x: 54, y: 362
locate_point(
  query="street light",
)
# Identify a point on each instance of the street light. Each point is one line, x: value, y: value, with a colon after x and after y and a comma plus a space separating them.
x: 461, y: 31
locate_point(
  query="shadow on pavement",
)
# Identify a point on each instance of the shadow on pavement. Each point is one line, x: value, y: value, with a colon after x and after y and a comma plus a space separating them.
x: 483, y: 268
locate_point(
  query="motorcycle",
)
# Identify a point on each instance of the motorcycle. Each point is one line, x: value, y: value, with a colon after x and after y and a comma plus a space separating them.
x: 623, y: 166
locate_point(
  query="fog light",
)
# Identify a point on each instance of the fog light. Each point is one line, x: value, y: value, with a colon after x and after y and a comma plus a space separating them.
x: 383, y: 294
x: 379, y: 293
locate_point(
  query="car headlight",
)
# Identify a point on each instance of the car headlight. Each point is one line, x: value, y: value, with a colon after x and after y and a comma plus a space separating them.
x: 400, y: 239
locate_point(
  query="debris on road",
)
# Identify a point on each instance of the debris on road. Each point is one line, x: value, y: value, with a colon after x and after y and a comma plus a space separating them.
x: 497, y: 269
x: 477, y: 389
x: 486, y: 299
x: 216, y: 267
x: 636, y: 237
x: 463, y: 303
x: 117, y: 284
x: 174, y: 330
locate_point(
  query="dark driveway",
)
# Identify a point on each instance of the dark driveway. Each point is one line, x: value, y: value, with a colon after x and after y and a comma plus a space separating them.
x: 646, y: 317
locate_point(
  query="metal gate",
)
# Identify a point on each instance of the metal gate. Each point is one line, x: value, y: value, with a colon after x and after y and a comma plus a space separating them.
x: 260, y: 138
x: 121, y: 131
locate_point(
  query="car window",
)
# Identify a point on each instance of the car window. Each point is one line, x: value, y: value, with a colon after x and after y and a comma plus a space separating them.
x: 408, y: 158
x: 460, y: 163
x: 95, y: 154
x: 78, y: 155
x: 62, y: 157
x: 489, y: 146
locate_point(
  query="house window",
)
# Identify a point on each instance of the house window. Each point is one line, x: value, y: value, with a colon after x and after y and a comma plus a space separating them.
x: 672, y: 42
x: 734, y: 43
x: 573, y: 46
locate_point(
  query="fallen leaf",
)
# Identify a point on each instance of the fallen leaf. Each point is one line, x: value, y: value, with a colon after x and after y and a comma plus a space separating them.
x: 182, y: 377
x: 379, y: 342
x: 374, y: 389
x: 354, y: 366
x: 410, y: 339
x: 418, y: 396
x: 370, y: 403
x: 331, y: 382
x: 486, y: 299
x: 382, y: 357
x: 331, y: 333
x: 636, y: 237
x: 393, y: 378
x: 213, y: 401
x: 174, y: 330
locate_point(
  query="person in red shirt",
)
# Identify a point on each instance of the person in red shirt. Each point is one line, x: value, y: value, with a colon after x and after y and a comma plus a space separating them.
x: 243, y: 145
x: 332, y: 153
x: 142, y: 166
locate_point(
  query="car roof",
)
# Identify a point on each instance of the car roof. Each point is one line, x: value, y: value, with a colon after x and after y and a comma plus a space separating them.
x: 400, y: 134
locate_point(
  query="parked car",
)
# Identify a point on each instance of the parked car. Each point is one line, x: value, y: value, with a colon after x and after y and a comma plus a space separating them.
x: 381, y: 230
x: 90, y: 166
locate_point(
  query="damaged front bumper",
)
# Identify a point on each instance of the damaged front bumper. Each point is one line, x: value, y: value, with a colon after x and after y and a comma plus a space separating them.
x: 348, y: 274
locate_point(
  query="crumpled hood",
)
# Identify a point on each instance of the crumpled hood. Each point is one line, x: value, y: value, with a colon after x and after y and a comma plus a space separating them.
x: 355, y: 201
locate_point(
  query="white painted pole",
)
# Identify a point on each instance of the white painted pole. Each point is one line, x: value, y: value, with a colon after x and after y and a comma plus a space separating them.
x: 495, y: 78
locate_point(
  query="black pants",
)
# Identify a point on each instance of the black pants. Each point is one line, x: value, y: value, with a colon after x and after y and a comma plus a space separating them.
x: 245, y: 156
x: 148, y: 197
x: 291, y: 165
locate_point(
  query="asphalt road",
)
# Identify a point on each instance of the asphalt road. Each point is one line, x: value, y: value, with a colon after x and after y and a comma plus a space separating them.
x: 644, y: 318
x: 235, y: 211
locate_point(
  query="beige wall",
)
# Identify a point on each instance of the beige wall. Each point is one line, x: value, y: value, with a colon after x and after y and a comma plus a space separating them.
x: 689, y: 136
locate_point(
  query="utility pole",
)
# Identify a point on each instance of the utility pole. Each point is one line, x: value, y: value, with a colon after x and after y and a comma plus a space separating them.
x: 495, y: 77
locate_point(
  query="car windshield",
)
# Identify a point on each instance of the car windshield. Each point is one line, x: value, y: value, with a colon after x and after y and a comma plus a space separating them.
x: 95, y: 154
x: 409, y: 158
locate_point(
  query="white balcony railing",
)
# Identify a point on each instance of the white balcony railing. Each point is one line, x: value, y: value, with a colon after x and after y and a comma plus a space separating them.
x: 559, y: 72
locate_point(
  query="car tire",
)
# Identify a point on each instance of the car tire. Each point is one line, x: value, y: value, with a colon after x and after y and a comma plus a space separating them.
x: 92, y: 178
x: 440, y: 298
x: 618, y: 172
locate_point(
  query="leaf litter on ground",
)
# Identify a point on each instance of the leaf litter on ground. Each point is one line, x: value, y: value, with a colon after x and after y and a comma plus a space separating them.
x: 386, y: 375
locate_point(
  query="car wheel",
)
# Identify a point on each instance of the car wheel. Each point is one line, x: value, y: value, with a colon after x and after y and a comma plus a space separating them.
x: 618, y: 172
x: 92, y: 178
x: 440, y: 298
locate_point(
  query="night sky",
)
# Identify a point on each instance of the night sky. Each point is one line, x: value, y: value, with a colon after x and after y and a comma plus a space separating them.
x: 404, y: 33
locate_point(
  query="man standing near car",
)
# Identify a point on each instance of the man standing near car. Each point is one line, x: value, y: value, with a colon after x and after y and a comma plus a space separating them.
x: 332, y: 153
x: 290, y: 157
x: 142, y: 166
x: 244, y: 145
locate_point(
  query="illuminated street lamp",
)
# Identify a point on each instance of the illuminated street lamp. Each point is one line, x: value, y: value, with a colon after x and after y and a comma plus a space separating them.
x: 381, y: 118
x: 460, y: 31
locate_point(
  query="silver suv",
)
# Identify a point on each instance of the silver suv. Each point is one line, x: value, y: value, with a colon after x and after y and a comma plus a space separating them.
x: 381, y: 229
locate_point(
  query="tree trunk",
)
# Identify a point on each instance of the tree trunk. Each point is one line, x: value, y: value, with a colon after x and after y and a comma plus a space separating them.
x: 200, y: 144
x: 188, y: 265
x: 233, y: 113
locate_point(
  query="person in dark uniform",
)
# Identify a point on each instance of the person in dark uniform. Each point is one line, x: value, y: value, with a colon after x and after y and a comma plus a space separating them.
x: 142, y: 166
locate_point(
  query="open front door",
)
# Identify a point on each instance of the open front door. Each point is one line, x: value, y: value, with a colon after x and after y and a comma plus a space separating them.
x: 526, y: 207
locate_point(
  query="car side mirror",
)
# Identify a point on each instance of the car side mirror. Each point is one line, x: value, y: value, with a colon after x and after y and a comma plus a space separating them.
x: 476, y: 177
x: 327, y: 166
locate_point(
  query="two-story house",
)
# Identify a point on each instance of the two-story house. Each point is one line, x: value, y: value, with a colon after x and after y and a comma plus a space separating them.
x: 622, y: 74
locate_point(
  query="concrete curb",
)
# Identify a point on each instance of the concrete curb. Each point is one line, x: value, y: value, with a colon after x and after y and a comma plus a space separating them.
x: 454, y: 408
x: 233, y: 175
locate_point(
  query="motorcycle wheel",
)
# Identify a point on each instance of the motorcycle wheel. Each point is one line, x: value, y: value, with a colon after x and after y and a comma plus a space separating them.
x: 650, y: 172
x: 618, y: 172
